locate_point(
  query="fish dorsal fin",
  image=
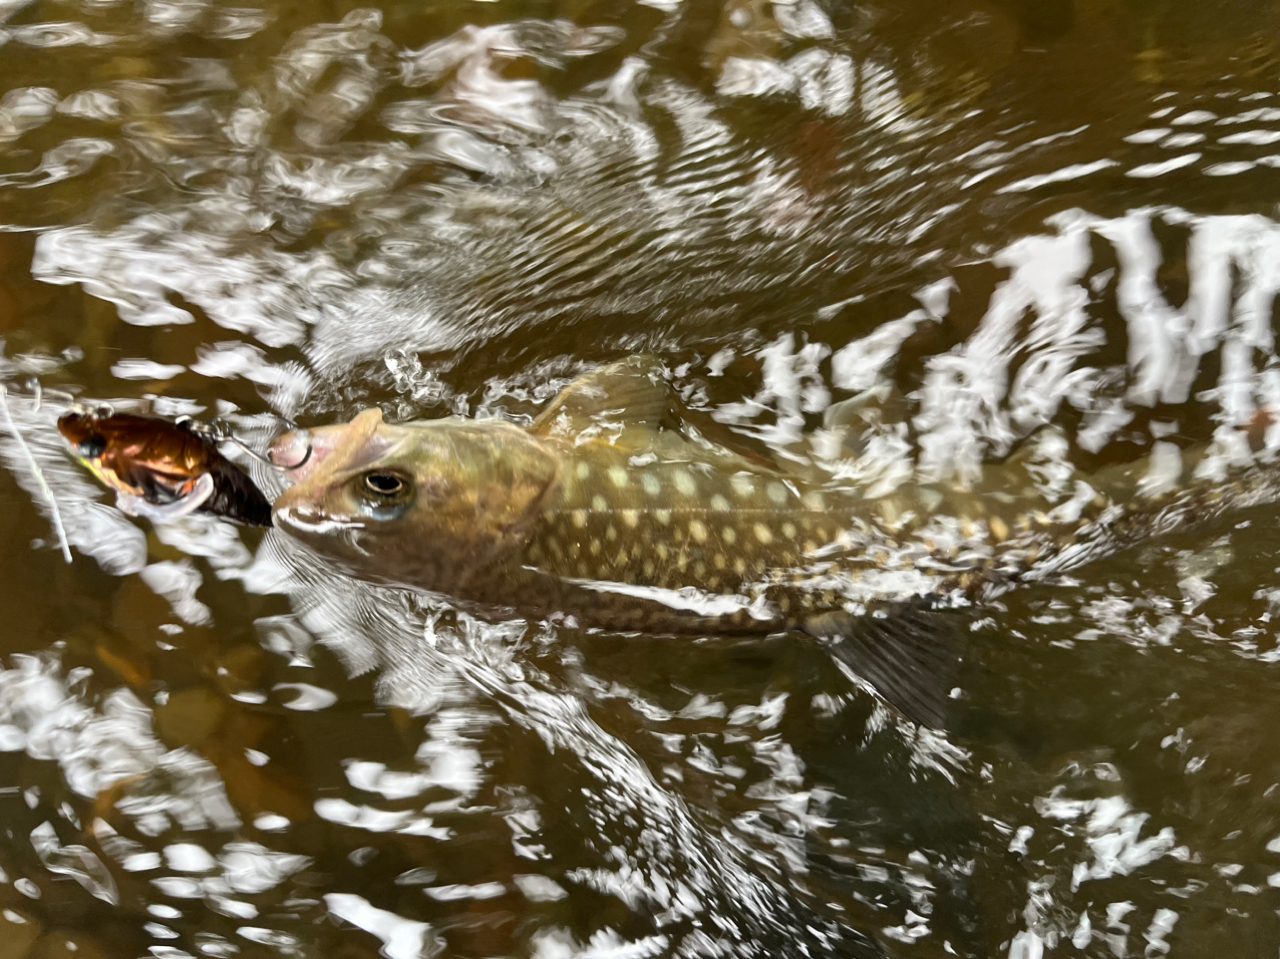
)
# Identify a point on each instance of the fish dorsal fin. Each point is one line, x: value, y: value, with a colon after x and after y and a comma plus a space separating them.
x: 633, y: 392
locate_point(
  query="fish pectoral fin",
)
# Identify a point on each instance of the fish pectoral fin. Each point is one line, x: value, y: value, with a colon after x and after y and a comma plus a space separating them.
x: 634, y: 390
x: 908, y: 654
x: 137, y: 506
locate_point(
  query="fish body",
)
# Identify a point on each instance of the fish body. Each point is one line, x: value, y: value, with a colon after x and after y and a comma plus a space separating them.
x: 612, y: 511
x: 647, y: 530
x: 161, y: 469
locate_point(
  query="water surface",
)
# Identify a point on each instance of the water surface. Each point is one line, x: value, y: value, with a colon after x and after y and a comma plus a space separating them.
x: 1014, y: 213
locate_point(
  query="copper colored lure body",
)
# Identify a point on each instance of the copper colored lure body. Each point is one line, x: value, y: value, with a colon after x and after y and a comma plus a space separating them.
x: 154, y: 462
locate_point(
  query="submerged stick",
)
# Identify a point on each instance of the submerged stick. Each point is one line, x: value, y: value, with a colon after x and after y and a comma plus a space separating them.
x: 35, y: 471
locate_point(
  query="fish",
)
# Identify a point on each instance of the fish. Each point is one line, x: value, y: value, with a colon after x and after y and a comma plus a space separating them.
x: 162, y: 470
x: 616, y: 511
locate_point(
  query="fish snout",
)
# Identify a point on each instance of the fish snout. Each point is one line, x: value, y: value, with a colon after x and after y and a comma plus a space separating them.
x: 301, y: 453
x: 295, y: 451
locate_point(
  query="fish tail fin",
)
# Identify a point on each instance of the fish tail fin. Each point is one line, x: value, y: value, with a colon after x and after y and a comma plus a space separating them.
x: 907, y: 653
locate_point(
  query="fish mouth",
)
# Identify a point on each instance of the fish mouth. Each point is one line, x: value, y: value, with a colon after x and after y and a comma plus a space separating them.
x: 336, y: 538
x: 301, y: 521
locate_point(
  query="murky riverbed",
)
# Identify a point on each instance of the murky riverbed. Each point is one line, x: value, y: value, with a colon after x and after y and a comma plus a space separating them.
x: 1015, y: 212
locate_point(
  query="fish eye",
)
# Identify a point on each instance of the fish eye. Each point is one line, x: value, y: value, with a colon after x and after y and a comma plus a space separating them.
x: 384, y: 495
x: 384, y: 484
x: 92, y: 447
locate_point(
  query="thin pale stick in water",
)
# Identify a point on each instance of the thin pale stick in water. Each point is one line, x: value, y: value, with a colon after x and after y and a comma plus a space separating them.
x: 35, y: 471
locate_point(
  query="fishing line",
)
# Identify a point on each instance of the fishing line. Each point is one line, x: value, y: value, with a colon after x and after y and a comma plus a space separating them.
x: 35, y: 471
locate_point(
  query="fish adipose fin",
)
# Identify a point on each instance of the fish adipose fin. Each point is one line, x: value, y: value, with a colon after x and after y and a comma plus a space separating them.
x: 633, y: 391
x: 908, y: 654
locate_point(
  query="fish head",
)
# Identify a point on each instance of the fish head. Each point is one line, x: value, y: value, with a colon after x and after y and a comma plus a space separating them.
x: 424, y: 503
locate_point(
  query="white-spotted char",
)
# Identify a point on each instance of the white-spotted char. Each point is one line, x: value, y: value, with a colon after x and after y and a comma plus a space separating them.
x: 654, y: 532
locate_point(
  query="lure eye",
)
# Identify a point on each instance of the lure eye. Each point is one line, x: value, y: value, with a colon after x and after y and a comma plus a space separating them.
x: 92, y: 447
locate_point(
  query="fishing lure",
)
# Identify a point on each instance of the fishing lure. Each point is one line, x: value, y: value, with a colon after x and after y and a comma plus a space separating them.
x: 164, y: 469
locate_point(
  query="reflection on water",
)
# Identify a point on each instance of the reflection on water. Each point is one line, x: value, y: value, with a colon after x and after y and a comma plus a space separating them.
x: 1005, y: 227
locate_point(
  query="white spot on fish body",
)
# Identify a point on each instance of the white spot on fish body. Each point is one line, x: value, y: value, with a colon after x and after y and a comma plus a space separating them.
x: 777, y: 493
x: 685, y: 483
x: 599, y: 503
x: 618, y: 476
x: 889, y: 510
x: 930, y: 499
x: 743, y: 484
x: 815, y: 501
x: 580, y: 518
x: 763, y: 534
x: 583, y: 470
x: 663, y: 516
x: 729, y: 535
x: 652, y: 485
x: 740, y: 566
x: 631, y: 517
x: 999, y: 529
x: 789, y: 530
x: 698, y: 530
x: 719, y: 503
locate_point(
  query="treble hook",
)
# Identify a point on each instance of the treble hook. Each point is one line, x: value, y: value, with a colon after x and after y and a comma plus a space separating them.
x: 305, y: 434
x: 219, y: 431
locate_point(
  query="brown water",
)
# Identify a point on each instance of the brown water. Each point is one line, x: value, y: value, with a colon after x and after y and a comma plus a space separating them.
x: 1017, y: 212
